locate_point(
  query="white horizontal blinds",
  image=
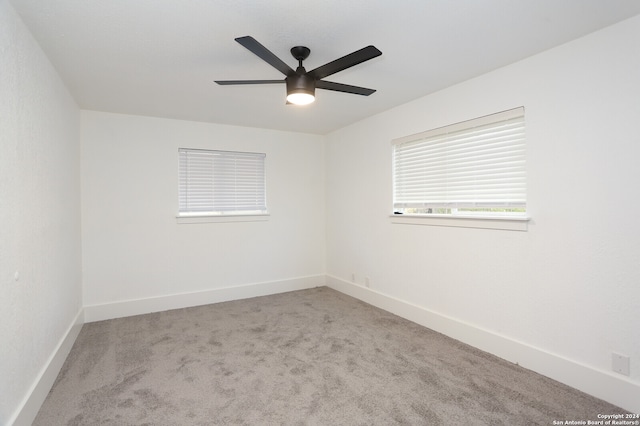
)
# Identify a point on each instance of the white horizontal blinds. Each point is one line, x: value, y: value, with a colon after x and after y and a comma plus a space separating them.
x: 475, y: 164
x: 221, y: 181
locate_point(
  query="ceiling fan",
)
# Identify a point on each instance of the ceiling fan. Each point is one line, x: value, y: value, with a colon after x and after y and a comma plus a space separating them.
x: 301, y: 84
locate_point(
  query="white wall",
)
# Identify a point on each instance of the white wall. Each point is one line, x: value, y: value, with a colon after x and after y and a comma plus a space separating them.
x: 133, y: 248
x: 569, y: 287
x: 39, y: 218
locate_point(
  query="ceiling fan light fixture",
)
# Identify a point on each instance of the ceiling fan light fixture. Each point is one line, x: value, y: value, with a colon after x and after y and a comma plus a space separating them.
x: 301, y: 89
x: 300, y: 98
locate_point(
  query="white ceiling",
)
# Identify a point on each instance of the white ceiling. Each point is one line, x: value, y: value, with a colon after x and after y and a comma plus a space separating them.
x: 160, y: 57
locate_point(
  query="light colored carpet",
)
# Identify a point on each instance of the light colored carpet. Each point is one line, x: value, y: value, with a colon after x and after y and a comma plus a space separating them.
x: 314, y: 357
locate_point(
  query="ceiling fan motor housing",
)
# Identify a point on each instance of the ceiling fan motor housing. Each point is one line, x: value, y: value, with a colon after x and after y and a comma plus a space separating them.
x: 301, y: 83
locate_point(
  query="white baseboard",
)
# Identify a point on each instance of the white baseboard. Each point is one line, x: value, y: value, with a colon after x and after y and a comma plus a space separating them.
x: 28, y: 409
x: 608, y: 386
x: 127, y: 308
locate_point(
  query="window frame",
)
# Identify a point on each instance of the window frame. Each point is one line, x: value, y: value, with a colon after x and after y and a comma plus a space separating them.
x: 211, y: 162
x: 465, y: 218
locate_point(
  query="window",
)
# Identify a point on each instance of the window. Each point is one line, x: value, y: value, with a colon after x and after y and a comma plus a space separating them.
x: 221, y: 183
x: 471, y: 169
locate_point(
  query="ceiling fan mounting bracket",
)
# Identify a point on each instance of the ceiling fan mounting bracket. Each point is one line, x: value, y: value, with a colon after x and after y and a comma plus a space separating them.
x: 300, y: 52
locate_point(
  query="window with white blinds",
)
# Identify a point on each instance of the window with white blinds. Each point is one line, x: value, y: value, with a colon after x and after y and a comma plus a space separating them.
x: 221, y: 182
x: 476, y: 167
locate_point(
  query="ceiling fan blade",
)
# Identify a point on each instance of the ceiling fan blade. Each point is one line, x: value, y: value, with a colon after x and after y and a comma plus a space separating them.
x: 265, y: 54
x: 346, y: 88
x: 345, y: 62
x: 230, y: 82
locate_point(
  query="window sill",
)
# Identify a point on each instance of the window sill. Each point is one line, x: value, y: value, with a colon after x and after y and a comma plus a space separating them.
x: 496, y: 222
x: 186, y: 219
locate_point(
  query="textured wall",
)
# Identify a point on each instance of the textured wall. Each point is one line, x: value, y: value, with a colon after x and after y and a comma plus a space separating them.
x: 569, y: 285
x: 39, y: 211
x: 134, y: 249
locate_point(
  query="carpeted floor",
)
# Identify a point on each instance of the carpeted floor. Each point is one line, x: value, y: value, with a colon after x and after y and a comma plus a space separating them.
x: 314, y: 357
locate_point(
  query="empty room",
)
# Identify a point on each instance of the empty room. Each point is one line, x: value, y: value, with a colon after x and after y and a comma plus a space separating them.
x: 296, y: 212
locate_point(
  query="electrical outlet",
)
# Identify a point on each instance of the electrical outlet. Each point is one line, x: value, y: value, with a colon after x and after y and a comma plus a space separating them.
x: 620, y: 364
x: 367, y: 282
x: 353, y: 277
